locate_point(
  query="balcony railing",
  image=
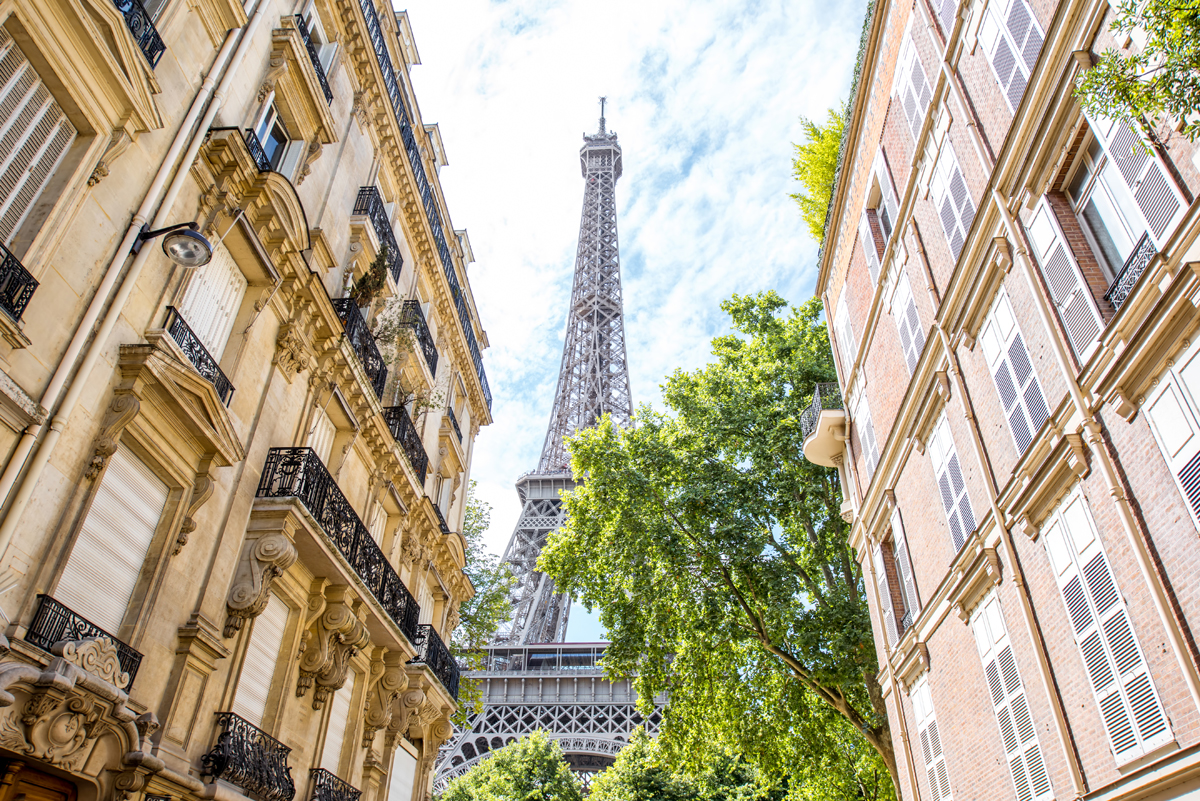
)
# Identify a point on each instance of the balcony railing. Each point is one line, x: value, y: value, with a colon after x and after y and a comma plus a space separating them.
x: 825, y: 396
x: 454, y: 424
x: 411, y: 315
x: 141, y: 27
x: 299, y: 473
x: 247, y: 756
x: 434, y: 654
x: 256, y: 151
x: 424, y: 188
x: 197, y: 354
x: 314, y: 58
x: 16, y: 284
x: 1135, y: 265
x: 328, y: 787
x: 437, y: 512
x: 363, y: 343
x: 405, y: 434
x: 53, y: 623
x: 370, y: 204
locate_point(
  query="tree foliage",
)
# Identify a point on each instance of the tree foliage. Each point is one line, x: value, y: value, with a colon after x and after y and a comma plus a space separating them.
x: 1161, y: 77
x: 367, y: 288
x: 718, y: 559
x: 815, y: 167
x: 530, y: 769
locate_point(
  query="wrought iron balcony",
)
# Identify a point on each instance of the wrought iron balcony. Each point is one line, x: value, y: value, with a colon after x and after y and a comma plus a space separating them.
x: 328, y: 787
x: 370, y: 204
x: 363, y: 343
x: 825, y: 396
x: 141, y: 27
x: 247, y: 756
x: 299, y: 473
x: 197, y: 354
x: 411, y: 315
x: 256, y: 151
x: 405, y: 434
x: 302, y: 26
x: 904, y: 624
x: 1135, y: 265
x: 53, y: 622
x: 437, y: 512
x: 434, y: 654
x: 16, y: 284
x: 454, y: 424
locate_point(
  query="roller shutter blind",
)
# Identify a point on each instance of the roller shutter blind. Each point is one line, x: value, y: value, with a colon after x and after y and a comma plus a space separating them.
x: 887, y: 611
x: 404, y: 774
x: 378, y: 522
x: 34, y: 136
x: 951, y: 485
x: 1116, y: 667
x: 952, y: 200
x: 213, y: 297
x: 1068, y: 289
x: 110, y: 550
x: 1012, y: 370
x: 912, y: 86
x: 1173, y: 410
x: 904, y: 566
x: 339, y: 722
x: 1012, y: 40
x: 1155, y: 193
x: 1017, y: 730
x: 320, y: 439
x: 262, y: 654
x: 931, y: 742
x: 908, y: 322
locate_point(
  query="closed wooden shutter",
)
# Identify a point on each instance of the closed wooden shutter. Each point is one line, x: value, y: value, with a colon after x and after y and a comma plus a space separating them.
x: 320, y: 439
x: 952, y: 200
x: 945, y: 13
x: 908, y: 581
x: 889, y: 205
x: 1017, y: 731
x: 912, y: 86
x: 262, y: 655
x: 1069, y: 290
x: 403, y: 776
x: 931, y: 742
x: 1012, y: 370
x: 953, y: 489
x: 339, y: 721
x: 887, y: 611
x: 34, y: 136
x: 1012, y: 40
x: 866, y: 435
x: 1116, y: 667
x: 908, y: 322
x: 1155, y: 193
x: 867, y: 237
x: 845, y: 334
x: 111, y: 547
x: 1173, y: 410
x: 213, y: 297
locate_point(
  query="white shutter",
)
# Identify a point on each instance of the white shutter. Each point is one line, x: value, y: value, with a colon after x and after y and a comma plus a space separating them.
x: 931, y: 742
x: 320, y: 439
x: 1174, y: 415
x: 908, y: 322
x: 1068, y: 288
x: 908, y: 581
x: 951, y: 199
x: 1129, y: 704
x: 889, y: 206
x: 404, y: 775
x: 845, y: 334
x: 887, y: 611
x: 866, y: 435
x: 213, y: 297
x: 912, y: 86
x: 1012, y: 370
x: 378, y: 522
x: 1009, y: 702
x: 1155, y: 193
x: 339, y: 721
x: 866, y: 236
x: 258, y: 668
x: 34, y: 136
x: 1012, y: 40
x: 951, y: 485
x: 425, y: 602
x: 111, y: 547
x: 945, y: 13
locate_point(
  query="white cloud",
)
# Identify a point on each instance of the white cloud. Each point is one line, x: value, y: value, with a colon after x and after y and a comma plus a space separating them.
x: 706, y: 97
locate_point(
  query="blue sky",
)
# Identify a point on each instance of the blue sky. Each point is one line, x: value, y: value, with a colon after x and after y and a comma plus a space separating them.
x: 706, y: 97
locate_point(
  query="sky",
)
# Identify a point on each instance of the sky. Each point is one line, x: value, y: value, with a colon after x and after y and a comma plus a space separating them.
x: 706, y: 98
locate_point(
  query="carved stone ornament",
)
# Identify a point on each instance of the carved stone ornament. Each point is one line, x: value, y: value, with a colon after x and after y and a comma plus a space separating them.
x: 402, y: 709
x: 96, y: 655
x: 121, y: 411
x: 388, y: 681
x: 263, y: 559
x: 118, y: 143
x: 53, y: 729
x: 200, y: 495
x: 291, y: 352
x: 311, y: 154
x: 329, y: 644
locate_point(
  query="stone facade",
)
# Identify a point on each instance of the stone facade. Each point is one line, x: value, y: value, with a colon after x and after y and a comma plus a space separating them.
x: 1012, y: 294
x: 230, y: 535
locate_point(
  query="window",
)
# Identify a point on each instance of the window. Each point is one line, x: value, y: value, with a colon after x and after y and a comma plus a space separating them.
x: 931, y: 742
x: 339, y: 722
x: 34, y: 137
x: 911, y: 86
x: 945, y: 13
x: 845, y: 335
x: 1068, y: 288
x: 258, y: 667
x: 908, y: 322
x: 951, y: 199
x: 1129, y: 704
x: 894, y: 580
x: 1011, y: 40
x: 879, y: 217
x: 212, y: 300
x: 320, y: 436
x: 110, y: 549
x: 955, y: 501
x: 316, y: 32
x: 1173, y: 409
x: 904, y: 570
x: 1016, y: 382
x: 281, y: 151
x: 404, y: 774
x: 379, y: 518
x: 425, y: 602
x: 1009, y: 703
x: 866, y: 435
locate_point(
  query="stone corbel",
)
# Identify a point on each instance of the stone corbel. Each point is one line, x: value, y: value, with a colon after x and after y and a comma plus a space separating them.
x: 403, y: 708
x: 330, y: 643
x: 121, y: 411
x: 118, y: 143
x: 913, y: 664
x: 1003, y: 253
x: 263, y: 559
x: 388, y: 680
x: 1123, y: 404
x: 311, y: 154
x: 976, y: 580
x: 279, y: 66
x: 201, y: 492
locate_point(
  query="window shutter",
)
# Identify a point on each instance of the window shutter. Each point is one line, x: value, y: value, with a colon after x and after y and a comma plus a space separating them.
x: 1070, y: 292
x: 931, y: 742
x: 1017, y: 730
x: 886, y: 611
x: 213, y: 297
x: 378, y: 522
x: 889, y: 206
x: 111, y: 547
x: 904, y: 566
x: 321, y: 437
x: 866, y: 435
x: 1012, y: 370
x: 34, y: 136
x: 914, y: 88
x: 1155, y: 193
x: 258, y: 668
x: 953, y: 489
x: 425, y: 603
x: 339, y: 721
x: 1012, y: 41
x: 1174, y: 417
x: 845, y: 334
x: 908, y: 322
x: 868, y: 245
x: 952, y: 200
x: 1129, y: 704
x: 404, y: 774
x: 945, y: 12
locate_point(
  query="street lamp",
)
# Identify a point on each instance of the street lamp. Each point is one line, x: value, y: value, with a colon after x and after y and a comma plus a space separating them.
x: 183, y: 244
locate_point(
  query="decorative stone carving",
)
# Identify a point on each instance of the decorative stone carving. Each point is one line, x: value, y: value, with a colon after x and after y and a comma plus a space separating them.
x: 291, y: 352
x: 96, y: 655
x: 330, y: 643
x: 402, y: 709
x: 201, y: 492
x: 52, y: 728
x: 279, y: 66
x: 263, y: 559
x: 124, y: 407
x: 388, y: 680
x: 310, y: 155
x: 118, y: 143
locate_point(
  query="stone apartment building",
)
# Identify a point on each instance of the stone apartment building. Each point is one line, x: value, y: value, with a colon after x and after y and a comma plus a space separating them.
x: 230, y: 548
x: 1012, y: 290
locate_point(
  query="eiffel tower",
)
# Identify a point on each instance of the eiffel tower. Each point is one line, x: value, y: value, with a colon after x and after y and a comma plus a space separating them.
x: 534, y: 679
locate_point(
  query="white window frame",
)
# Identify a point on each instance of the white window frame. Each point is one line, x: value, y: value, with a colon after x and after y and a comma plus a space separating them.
x: 1013, y: 374
x: 952, y: 483
x: 866, y: 435
x: 844, y: 332
x: 952, y: 199
x: 930, y: 741
x: 908, y: 321
x: 1173, y: 411
x: 1012, y: 40
x: 1068, y: 288
x: 911, y: 85
x: 1158, y: 201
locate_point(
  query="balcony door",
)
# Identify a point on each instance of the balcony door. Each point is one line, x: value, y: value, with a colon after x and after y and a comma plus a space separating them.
x: 404, y: 773
x: 212, y: 300
x: 339, y: 723
x: 258, y: 668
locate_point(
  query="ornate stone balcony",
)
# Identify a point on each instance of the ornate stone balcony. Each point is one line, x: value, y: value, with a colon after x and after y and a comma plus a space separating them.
x: 247, y: 756
x: 411, y: 315
x: 328, y: 787
x: 362, y: 342
x: 406, y: 436
x: 197, y: 354
x: 141, y: 27
x: 1143, y: 253
x: 54, y: 623
x: 314, y: 58
x: 434, y: 654
x: 16, y: 284
x: 370, y: 205
x: 823, y: 425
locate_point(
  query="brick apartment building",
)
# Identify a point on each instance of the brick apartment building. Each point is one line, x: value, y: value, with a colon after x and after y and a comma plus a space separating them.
x: 1012, y: 292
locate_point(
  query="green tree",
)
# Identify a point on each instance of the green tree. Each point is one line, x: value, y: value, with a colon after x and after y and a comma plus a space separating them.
x: 367, y: 288
x: 1161, y: 77
x: 530, y: 769
x: 717, y: 556
x: 815, y: 167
